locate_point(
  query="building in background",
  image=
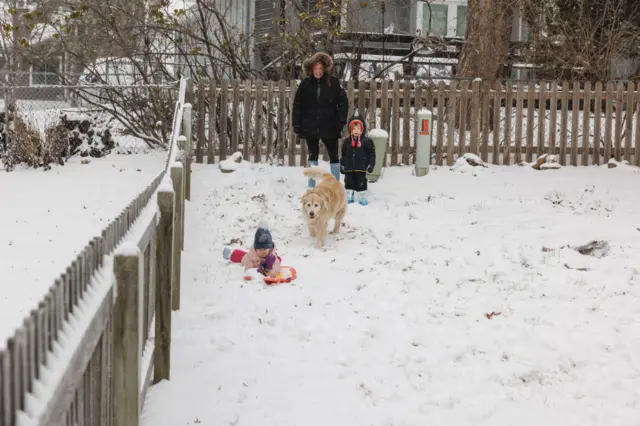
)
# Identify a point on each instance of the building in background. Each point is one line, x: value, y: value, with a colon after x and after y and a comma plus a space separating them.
x: 381, y: 30
x: 372, y: 33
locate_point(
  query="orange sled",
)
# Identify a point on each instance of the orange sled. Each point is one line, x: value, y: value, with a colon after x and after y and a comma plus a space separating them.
x: 286, y: 275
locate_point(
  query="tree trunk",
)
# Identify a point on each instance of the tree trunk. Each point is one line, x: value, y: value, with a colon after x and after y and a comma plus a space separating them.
x: 487, y: 39
x: 486, y: 45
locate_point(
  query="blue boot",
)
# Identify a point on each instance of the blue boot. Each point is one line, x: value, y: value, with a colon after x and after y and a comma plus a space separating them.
x: 226, y: 253
x: 362, y: 198
x: 350, y: 197
x: 335, y: 170
x: 312, y: 182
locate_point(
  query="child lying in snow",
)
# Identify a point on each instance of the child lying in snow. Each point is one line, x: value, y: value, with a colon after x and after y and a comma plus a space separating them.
x: 261, y: 255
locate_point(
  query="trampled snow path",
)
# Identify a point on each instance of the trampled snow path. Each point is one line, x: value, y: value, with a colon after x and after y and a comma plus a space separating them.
x: 388, y: 325
x: 46, y: 218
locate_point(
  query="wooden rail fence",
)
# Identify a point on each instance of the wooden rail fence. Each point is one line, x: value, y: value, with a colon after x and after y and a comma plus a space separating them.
x: 102, y: 334
x: 505, y: 123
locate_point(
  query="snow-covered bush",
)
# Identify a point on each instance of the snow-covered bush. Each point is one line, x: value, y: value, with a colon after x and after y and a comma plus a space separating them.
x: 22, y: 142
x: 55, y: 145
x: 148, y: 116
x: 27, y: 143
x: 89, y: 134
x: 142, y: 112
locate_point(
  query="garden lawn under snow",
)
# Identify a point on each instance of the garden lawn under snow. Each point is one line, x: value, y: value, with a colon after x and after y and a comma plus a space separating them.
x: 47, y: 218
x: 452, y: 299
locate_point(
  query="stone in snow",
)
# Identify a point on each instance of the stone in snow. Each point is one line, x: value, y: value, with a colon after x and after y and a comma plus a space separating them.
x: 232, y: 163
x: 595, y: 248
x: 468, y: 160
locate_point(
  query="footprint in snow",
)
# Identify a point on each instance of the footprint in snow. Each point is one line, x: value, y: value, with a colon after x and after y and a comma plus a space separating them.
x: 222, y: 344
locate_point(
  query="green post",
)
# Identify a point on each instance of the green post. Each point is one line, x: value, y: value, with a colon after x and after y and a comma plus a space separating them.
x: 381, y: 142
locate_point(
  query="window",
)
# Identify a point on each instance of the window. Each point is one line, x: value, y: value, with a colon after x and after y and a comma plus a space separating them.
x: 525, y: 31
x: 44, y: 74
x: 520, y: 30
x: 439, y: 17
x: 461, y: 21
x: 523, y: 74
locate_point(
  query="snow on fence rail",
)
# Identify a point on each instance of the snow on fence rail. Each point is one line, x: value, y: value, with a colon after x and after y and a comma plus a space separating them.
x: 102, y: 334
x: 503, y: 123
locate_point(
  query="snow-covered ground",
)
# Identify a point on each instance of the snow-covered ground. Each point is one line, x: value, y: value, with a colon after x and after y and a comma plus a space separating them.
x: 451, y: 299
x: 48, y: 217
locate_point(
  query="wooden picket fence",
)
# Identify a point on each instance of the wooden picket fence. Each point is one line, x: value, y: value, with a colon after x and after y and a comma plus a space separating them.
x: 504, y: 123
x: 101, y: 335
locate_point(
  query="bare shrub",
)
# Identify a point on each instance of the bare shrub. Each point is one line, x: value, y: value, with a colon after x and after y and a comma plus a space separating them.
x: 22, y: 143
x: 26, y: 142
x: 55, y: 145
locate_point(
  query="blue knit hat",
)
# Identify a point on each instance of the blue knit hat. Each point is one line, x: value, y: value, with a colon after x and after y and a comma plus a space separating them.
x: 263, y: 240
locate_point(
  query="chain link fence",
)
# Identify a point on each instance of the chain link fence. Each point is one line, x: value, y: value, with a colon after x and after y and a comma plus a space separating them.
x: 43, y: 123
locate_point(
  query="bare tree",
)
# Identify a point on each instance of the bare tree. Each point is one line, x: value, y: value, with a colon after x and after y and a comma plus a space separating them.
x: 583, y: 38
x: 104, y: 46
x: 488, y: 34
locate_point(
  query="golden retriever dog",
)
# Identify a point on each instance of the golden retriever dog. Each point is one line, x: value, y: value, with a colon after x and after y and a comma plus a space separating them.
x: 327, y: 200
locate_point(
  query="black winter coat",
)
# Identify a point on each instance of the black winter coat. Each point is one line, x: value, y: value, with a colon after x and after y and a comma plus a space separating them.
x: 320, y: 108
x: 356, y: 159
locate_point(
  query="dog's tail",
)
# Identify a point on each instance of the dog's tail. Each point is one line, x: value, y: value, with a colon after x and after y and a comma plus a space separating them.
x: 318, y: 173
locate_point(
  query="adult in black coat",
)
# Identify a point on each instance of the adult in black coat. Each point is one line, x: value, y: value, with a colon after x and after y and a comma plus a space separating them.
x: 320, y: 109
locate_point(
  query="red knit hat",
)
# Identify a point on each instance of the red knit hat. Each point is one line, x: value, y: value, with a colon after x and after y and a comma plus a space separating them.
x: 354, y: 121
x: 355, y: 142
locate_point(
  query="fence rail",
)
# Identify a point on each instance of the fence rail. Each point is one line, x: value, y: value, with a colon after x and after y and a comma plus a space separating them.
x: 581, y: 122
x: 89, y: 351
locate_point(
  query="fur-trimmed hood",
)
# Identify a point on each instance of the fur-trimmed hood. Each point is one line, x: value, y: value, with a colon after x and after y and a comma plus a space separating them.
x: 322, y: 57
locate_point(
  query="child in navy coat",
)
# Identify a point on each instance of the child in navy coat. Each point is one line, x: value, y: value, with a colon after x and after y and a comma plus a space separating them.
x: 358, y: 159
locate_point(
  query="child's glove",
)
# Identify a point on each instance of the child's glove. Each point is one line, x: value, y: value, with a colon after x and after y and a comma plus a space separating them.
x: 267, y: 263
x: 370, y: 169
x: 252, y: 274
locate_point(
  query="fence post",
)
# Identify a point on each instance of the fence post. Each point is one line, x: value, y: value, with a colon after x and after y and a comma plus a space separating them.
x: 187, y: 127
x: 178, y: 227
x: 164, y: 276
x: 189, y: 99
x: 126, y: 337
x: 182, y: 140
x: 201, y: 115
